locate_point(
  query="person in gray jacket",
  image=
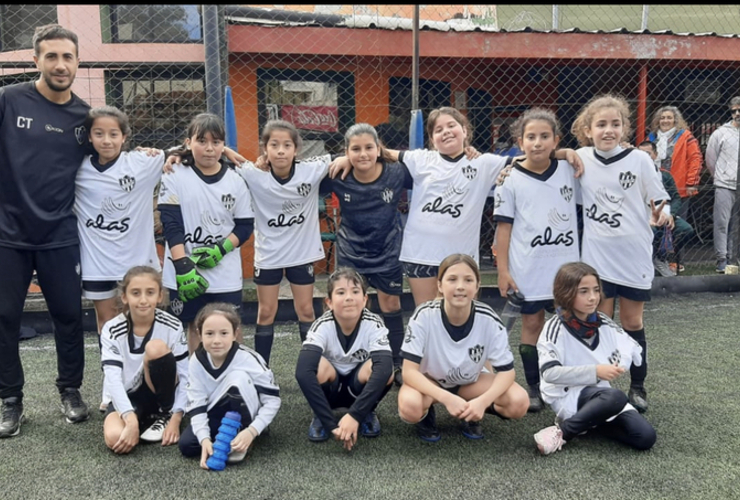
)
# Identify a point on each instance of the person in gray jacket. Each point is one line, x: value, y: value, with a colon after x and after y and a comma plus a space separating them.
x: 722, y: 158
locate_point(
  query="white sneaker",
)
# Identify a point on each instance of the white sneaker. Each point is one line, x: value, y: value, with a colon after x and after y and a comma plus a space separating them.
x: 662, y: 267
x: 236, y: 456
x: 155, y: 431
x: 549, y: 439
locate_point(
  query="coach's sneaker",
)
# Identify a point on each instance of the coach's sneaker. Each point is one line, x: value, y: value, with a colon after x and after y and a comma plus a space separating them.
x: 549, y: 440
x: 12, y: 417
x: 370, y: 427
x: 638, y: 398
x: 535, y: 399
x: 316, y: 431
x: 155, y: 431
x: 662, y: 267
x: 721, y: 266
x: 427, y: 427
x: 471, y: 430
x: 74, y: 408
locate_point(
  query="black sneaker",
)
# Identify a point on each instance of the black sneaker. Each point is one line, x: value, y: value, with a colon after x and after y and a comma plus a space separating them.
x: 397, y: 376
x: 12, y: 417
x: 427, y: 427
x: 370, y: 427
x: 74, y: 408
x: 471, y: 430
x: 638, y: 398
x: 535, y: 400
x: 316, y: 431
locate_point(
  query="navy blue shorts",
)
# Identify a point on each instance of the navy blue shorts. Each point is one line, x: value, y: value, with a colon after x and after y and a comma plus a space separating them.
x: 390, y: 282
x: 419, y: 270
x: 535, y: 306
x: 345, y: 389
x: 297, y: 275
x: 612, y: 290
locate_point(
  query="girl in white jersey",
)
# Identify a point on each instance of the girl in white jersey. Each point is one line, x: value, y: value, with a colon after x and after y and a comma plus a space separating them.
x: 226, y: 376
x: 451, y: 350
x: 345, y: 362
x: 206, y: 214
x: 620, y: 189
x: 537, y: 230
x: 581, y: 351
x: 287, y: 235
x: 145, y: 360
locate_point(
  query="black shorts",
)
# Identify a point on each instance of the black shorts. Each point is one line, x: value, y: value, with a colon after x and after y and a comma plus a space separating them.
x: 390, y: 282
x: 99, y: 290
x: 536, y: 306
x: 612, y: 290
x: 145, y: 406
x: 186, y: 311
x: 345, y: 389
x: 419, y: 270
x: 297, y: 275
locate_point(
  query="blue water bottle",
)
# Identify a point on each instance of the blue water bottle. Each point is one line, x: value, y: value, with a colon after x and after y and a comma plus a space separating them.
x: 222, y: 445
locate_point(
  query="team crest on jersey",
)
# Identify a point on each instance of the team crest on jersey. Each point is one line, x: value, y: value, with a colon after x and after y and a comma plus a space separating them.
x: 176, y: 306
x: 304, y: 189
x: 228, y: 201
x: 615, y: 358
x: 80, y: 134
x: 627, y: 179
x: 567, y: 193
x: 387, y: 195
x: 470, y: 172
x: 127, y: 183
x: 476, y: 353
x: 360, y: 355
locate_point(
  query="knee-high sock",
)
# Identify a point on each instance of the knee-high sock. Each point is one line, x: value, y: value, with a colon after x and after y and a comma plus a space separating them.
x: 394, y: 323
x: 263, y: 336
x: 639, y: 373
x: 531, y: 364
x: 303, y: 328
x: 163, y: 373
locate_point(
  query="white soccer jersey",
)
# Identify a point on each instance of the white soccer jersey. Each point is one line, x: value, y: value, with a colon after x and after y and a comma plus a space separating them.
x: 452, y: 363
x: 372, y: 335
x: 244, y: 369
x: 286, y: 228
x: 446, y: 205
x: 544, y: 231
x: 617, y: 238
x: 208, y: 208
x: 558, y: 347
x: 115, y: 216
x: 122, y: 357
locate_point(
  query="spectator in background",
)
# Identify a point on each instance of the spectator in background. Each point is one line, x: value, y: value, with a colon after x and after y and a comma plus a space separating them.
x: 678, y: 153
x: 722, y: 162
x: 505, y: 144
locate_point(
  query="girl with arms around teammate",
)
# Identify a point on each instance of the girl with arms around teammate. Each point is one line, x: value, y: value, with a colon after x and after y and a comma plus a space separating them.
x: 370, y: 233
x: 226, y: 376
x: 345, y: 361
x: 581, y: 350
x: 620, y: 190
x: 144, y: 358
x: 451, y: 350
x: 206, y: 214
x: 287, y: 237
x: 537, y: 230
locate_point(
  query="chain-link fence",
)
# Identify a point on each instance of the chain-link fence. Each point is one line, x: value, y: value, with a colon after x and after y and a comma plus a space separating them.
x: 326, y: 67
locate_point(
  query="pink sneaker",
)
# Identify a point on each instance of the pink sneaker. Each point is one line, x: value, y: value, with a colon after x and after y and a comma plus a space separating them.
x: 549, y: 439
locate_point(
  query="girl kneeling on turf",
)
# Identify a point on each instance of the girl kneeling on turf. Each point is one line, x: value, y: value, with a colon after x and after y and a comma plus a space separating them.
x: 226, y: 376
x: 580, y: 352
x: 144, y: 355
x: 345, y: 362
x: 451, y: 349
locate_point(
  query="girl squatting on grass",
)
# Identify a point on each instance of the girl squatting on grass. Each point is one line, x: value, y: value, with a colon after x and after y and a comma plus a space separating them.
x: 115, y: 220
x: 345, y: 362
x: 580, y: 352
x: 537, y: 230
x: 369, y: 236
x: 206, y: 215
x: 144, y: 358
x: 451, y: 350
x: 287, y: 236
x: 620, y: 190
x: 226, y: 376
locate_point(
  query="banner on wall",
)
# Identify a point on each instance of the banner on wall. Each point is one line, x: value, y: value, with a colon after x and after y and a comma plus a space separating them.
x: 321, y: 118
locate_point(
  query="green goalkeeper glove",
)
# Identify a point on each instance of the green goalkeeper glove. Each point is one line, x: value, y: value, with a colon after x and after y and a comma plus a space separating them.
x: 209, y: 257
x: 190, y: 284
